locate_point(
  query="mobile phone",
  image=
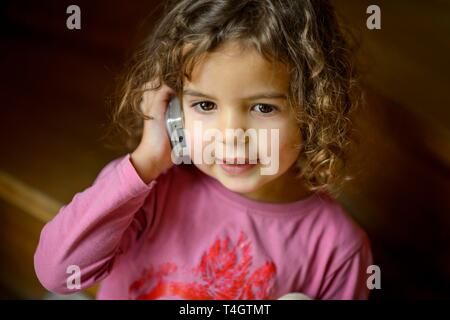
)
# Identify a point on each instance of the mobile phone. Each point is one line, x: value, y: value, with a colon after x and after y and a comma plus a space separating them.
x: 175, y: 129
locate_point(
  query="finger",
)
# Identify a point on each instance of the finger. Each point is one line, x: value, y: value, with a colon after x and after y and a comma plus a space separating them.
x: 159, y: 100
x: 150, y: 90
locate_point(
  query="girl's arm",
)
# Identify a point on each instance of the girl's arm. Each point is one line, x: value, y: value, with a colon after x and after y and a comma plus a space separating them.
x: 89, y: 231
x: 348, y: 279
x: 104, y: 220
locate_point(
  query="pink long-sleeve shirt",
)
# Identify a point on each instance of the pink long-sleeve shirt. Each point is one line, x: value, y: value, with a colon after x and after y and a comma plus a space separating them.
x: 185, y: 236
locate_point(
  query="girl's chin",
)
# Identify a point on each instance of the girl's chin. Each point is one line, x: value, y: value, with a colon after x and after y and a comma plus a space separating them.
x: 245, y: 183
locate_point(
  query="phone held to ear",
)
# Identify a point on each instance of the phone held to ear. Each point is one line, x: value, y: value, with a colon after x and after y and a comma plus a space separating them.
x: 175, y: 130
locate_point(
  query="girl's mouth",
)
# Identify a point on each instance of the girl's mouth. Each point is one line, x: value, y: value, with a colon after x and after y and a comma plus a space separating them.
x: 235, y: 168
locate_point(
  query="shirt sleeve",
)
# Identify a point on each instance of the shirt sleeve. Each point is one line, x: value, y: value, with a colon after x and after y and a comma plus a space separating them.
x: 89, y: 232
x: 348, y: 281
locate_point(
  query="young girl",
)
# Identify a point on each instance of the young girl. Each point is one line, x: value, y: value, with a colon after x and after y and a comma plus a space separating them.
x: 148, y: 229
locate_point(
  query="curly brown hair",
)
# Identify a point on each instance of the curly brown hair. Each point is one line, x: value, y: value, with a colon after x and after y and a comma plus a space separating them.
x: 303, y: 34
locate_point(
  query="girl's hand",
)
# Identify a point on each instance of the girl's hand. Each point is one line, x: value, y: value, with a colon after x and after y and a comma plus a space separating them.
x: 153, y: 154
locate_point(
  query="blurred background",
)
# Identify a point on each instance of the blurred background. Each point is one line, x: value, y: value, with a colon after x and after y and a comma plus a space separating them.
x: 56, y: 90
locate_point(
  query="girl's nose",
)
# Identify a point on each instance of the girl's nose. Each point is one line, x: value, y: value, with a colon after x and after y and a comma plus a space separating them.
x: 232, y: 119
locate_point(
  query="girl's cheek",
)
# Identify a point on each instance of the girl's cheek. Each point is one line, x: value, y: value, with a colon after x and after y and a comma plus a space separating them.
x: 197, y: 141
x: 282, y: 134
x: 289, y: 145
x: 189, y: 132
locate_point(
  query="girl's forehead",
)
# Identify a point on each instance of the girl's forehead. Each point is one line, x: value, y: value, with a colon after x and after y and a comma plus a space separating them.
x: 235, y: 50
x: 232, y: 62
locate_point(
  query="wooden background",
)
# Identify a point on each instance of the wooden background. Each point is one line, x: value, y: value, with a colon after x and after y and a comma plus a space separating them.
x: 55, y: 88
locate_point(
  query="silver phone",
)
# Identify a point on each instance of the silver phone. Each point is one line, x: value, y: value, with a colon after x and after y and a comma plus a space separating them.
x: 175, y: 128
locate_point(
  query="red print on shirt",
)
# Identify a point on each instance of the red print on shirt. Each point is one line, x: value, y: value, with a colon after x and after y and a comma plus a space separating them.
x: 224, y: 272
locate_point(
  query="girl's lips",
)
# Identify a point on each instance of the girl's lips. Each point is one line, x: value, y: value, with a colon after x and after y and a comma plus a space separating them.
x: 236, y: 169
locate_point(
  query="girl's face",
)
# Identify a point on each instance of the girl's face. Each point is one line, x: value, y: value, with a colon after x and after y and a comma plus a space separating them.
x: 233, y: 89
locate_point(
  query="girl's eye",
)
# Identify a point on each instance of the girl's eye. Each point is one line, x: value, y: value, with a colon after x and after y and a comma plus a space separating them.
x: 204, y: 106
x: 207, y: 106
x: 264, y: 108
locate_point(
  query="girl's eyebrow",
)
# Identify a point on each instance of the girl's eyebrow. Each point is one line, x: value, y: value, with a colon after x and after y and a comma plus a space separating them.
x: 265, y: 95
